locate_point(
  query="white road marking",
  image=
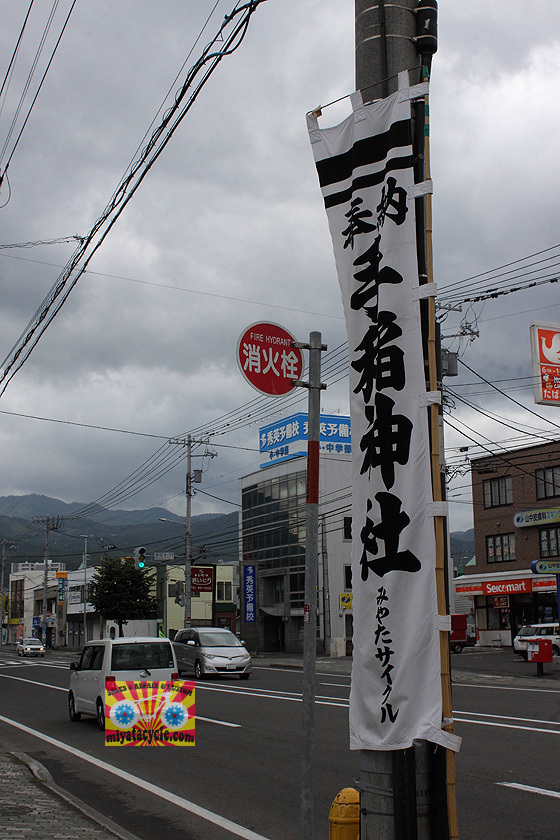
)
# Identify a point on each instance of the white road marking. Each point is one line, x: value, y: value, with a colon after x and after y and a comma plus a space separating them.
x: 529, y: 789
x: 506, y: 688
x: 505, y: 725
x: 203, y: 813
x: 65, y: 690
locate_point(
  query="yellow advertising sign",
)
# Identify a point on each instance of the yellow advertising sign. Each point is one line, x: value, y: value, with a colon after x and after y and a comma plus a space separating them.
x: 149, y: 714
x: 345, y: 601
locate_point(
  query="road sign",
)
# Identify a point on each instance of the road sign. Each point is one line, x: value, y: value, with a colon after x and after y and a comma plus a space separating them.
x: 545, y: 567
x: 267, y: 359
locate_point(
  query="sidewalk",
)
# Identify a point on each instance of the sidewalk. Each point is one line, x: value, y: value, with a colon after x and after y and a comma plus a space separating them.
x: 32, y: 807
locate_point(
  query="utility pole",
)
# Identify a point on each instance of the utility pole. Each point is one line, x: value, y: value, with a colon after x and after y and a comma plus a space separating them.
x: 314, y: 386
x: 4, y: 556
x: 390, y: 37
x: 51, y: 524
x: 191, y: 477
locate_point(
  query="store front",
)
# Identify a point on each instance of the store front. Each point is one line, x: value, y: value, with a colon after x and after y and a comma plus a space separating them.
x: 502, y: 603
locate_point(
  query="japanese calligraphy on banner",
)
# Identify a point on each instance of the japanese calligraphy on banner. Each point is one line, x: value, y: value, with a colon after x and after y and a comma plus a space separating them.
x: 149, y: 714
x: 365, y: 172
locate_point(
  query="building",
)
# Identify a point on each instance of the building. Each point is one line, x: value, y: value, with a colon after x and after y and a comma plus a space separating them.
x: 214, y: 596
x: 65, y: 604
x: 516, y: 502
x: 272, y: 527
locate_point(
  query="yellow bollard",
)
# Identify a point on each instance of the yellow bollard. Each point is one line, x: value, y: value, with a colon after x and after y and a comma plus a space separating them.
x: 344, y: 816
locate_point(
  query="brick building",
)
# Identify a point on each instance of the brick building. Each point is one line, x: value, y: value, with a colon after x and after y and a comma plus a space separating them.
x: 516, y: 504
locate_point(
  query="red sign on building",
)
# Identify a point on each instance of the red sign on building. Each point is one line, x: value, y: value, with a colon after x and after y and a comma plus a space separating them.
x: 202, y: 579
x: 267, y: 359
x: 545, y: 356
x: 506, y: 587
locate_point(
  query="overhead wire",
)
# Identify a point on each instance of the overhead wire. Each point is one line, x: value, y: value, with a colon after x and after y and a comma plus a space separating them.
x: 30, y: 109
x: 223, y: 44
x: 9, y: 71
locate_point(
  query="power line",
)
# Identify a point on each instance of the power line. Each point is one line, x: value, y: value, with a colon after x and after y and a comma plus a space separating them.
x: 227, y: 40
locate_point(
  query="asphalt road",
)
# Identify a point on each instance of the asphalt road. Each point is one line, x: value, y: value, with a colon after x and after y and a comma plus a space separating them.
x: 245, y: 767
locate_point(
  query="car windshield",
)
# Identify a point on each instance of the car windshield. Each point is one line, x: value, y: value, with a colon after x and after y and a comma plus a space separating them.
x: 137, y: 655
x: 31, y: 642
x: 527, y: 631
x: 222, y: 639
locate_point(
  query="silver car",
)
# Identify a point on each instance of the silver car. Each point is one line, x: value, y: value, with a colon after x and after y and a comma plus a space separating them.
x: 203, y: 651
x: 30, y: 647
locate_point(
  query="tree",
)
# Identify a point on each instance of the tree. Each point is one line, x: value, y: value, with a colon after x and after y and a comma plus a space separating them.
x: 120, y: 592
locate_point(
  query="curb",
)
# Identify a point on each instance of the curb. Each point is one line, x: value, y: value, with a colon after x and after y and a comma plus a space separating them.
x: 42, y: 775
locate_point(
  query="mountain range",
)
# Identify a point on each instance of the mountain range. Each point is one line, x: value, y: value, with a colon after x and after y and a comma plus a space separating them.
x: 24, y: 519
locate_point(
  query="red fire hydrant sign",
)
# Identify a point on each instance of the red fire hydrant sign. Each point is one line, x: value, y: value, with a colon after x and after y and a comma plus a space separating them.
x: 267, y: 359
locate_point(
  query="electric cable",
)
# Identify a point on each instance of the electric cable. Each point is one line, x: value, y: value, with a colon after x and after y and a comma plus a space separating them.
x: 211, y: 57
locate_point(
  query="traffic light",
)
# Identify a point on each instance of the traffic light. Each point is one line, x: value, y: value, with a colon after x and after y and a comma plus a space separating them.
x: 139, y: 557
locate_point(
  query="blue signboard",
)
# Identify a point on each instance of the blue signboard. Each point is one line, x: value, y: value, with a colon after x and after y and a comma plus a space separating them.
x: 285, y: 439
x: 249, y: 590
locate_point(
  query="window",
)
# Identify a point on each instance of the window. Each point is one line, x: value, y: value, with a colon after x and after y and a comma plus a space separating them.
x: 224, y: 590
x: 297, y: 589
x: 348, y: 577
x: 497, y: 491
x: 548, y: 482
x: 500, y: 548
x: 549, y: 542
x: 347, y: 527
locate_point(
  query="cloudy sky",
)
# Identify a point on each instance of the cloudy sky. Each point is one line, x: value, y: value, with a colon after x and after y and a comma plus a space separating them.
x: 228, y: 229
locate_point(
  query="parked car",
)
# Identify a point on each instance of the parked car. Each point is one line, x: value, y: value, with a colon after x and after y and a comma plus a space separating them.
x: 203, y: 651
x: 530, y: 632
x: 30, y: 647
x: 130, y: 658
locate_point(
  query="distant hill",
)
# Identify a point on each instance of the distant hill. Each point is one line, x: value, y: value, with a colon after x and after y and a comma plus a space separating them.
x: 462, y: 546
x: 117, y: 532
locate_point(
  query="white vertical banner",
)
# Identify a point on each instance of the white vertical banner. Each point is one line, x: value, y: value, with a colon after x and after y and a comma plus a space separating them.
x: 366, y: 177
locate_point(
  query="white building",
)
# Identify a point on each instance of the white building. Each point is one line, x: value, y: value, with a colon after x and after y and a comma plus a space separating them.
x: 272, y: 529
x: 65, y: 604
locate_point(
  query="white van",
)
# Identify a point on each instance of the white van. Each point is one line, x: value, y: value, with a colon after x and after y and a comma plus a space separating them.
x: 537, y: 631
x: 131, y: 658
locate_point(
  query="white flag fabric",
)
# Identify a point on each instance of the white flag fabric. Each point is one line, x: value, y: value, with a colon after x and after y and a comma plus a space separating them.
x: 366, y: 177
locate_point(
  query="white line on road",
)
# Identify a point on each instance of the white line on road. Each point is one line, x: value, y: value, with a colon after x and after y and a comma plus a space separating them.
x: 271, y: 694
x: 209, y: 816
x: 506, y: 688
x: 506, y: 717
x: 542, y: 791
x: 65, y: 690
x: 505, y: 725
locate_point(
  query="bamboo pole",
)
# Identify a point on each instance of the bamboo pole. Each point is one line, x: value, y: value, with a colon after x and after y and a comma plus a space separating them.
x: 447, y: 708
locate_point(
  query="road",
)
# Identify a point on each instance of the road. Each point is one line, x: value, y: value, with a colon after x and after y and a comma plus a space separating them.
x: 244, y: 772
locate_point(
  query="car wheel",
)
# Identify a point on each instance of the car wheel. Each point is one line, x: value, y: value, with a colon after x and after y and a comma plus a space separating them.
x: 101, y: 714
x: 72, y: 713
x: 457, y: 647
x: 555, y: 650
x: 198, y: 672
x: 244, y: 676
